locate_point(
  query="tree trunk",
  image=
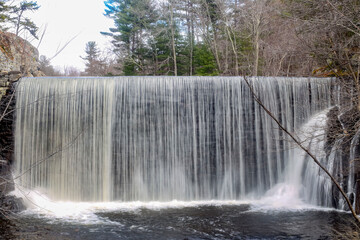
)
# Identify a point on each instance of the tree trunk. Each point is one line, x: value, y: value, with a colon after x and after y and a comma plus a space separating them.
x: 191, y: 41
x: 17, y: 31
x: 235, y: 52
x: 173, y: 36
x: 256, y: 45
x: 214, y: 40
x: 190, y: 28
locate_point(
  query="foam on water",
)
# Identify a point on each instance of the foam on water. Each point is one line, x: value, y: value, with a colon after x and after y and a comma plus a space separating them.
x: 40, y: 205
x: 289, y: 195
x: 284, y: 198
x: 281, y: 198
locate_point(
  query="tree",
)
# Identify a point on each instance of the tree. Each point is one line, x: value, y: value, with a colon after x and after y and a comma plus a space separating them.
x: 204, y: 61
x: 4, y: 13
x: 168, y: 39
x: 283, y: 52
x: 93, y: 65
x: 172, y: 23
x: 22, y: 23
x: 99, y: 63
x: 189, y: 9
x: 71, y: 71
x: 332, y: 39
x: 133, y: 23
x: 46, y: 67
x: 267, y: 37
x: 257, y: 26
x: 210, y: 24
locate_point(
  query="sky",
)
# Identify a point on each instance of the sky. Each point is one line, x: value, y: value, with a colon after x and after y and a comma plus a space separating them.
x: 66, y: 19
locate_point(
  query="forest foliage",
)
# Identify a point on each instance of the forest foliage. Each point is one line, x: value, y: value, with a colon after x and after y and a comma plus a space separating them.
x: 235, y: 37
x: 239, y: 37
x: 12, y: 16
x: 219, y: 37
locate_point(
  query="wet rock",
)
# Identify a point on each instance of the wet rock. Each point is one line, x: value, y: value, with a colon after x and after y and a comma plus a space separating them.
x: 11, y: 204
x: 334, y: 128
x: 349, y: 119
x: 6, y: 181
x: 343, y: 136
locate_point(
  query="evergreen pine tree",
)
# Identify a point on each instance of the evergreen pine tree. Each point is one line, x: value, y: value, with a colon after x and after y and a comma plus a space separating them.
x: 93, y: 64
x: 22, y: 23
x: 133, y: 23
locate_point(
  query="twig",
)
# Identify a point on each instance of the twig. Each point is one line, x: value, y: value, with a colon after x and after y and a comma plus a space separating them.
x: 63, y: 47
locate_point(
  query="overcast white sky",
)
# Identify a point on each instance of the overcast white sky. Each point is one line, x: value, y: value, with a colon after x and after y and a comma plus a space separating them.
x: 66, y: 19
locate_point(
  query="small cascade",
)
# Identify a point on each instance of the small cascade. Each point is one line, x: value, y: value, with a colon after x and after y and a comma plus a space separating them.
x: 160, y: 138
x: 339, y: 160
x: 313, y: 184
x: 304, y: 182
x: 352, y: 184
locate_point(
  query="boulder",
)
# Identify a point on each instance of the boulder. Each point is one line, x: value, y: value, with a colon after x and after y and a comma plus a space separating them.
x: 6, y: 181
x: 11, y: 204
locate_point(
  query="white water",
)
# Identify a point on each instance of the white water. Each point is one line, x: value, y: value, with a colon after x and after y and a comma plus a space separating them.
x: 301, y: 181
x: 151, y: 140
x: 281, y: 198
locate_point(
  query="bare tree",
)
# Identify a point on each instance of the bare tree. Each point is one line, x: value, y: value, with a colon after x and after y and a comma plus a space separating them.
x: 173, y: 45
x: 209, y: 21
x: 71, y: 71
x: 330, y: 29
x: 258, y: 20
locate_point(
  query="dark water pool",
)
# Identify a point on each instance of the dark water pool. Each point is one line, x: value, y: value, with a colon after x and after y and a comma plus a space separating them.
x: 201, y: 222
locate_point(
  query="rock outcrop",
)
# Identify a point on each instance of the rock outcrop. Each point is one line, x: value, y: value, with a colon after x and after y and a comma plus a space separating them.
x: 17, y: 54
x: 342, y: 143
x: 18, y: 58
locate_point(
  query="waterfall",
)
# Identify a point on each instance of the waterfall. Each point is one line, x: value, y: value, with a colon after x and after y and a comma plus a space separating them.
x: 311, y: 183
x: 158, y: 138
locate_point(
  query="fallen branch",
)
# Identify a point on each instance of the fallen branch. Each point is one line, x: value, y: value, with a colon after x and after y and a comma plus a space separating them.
x: 317, y: 162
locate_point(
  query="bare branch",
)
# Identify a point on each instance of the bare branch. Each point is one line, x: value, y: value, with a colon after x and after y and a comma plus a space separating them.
x: 307, y: 151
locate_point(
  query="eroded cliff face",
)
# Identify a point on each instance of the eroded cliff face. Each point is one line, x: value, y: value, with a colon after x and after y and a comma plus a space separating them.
x: 18, y: 58
x: 17, y: 54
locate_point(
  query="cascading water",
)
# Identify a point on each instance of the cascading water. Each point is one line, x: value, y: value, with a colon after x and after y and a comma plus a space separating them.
x: 158, y: 138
